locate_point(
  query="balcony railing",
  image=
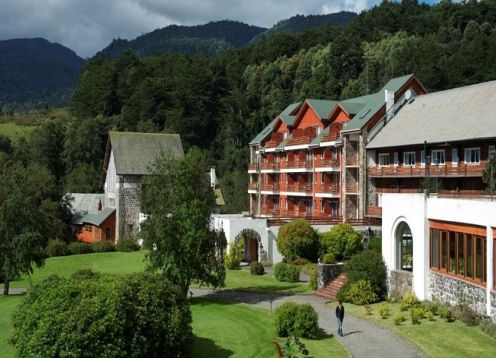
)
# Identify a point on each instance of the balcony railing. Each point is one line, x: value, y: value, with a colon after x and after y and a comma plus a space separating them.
x: 326, y: 163
x: 462, y: 170
x: 352, y: 158
x: 327, y: 188
x: 252, y: 186
x: 374, y: 211
x: 270, y: 166
x: 296, y: 164
x: 352, y: 187
x: 270, y: 187
x: 253, y: 166
x: 305, y: 188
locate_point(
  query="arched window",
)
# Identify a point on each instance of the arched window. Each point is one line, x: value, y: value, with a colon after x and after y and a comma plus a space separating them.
x: 404, y: 246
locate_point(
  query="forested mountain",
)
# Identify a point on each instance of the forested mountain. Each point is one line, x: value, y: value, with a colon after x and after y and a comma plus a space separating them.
x: 300, y: 23
x: 36, y: 72
x: 209, y: 39
x: 219, y: 103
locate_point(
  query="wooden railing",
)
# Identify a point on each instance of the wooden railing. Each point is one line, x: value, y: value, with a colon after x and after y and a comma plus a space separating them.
x: 327, y: 163
x: 270, y: 187
x: 324, y: 188
x: 272, y: 166
x: 297, y: 164
x: 462, y: 170
x: 330, y: 220
x: 252, y: 186
x: 305, y: 188
x: 374, y: 211
x: 351, y: 158
x: 252, y: 166
x: 352, y: 187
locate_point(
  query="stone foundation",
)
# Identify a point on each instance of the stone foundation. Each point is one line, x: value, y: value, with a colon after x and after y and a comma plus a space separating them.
x: 454, y: 291
x: 327, y: 273
x: 400, y: 282
x: 493, y: 306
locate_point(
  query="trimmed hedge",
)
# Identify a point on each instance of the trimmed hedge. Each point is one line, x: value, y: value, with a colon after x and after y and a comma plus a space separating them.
x: 126, y: 245
x: 102, y: 315
x: 57, y: 248
x: 293, y: 319
x: 342, y: 240
x: 79, y: 248
x: 361, y: 293
x: 103, y: 246
x: 369, y: 266
x: 256, y: 268
x: 286, y: 273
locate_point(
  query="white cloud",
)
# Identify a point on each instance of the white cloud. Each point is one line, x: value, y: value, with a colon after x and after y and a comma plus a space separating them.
x: 87, y: 26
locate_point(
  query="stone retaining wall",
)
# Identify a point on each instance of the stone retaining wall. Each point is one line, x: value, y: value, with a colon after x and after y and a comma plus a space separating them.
x: 400, y: 282
x: 327, y: 273
x: 493, y: 306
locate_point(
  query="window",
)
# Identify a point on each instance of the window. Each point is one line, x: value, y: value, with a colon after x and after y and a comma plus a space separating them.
x: 409, y: 158
x: 454, y: 157
x: 405, y: 246
x: 422, y: 158
x: 396, y: 160
x: 384, y: 160
x: 285, y: 135
x: 108, y: 233
x: 437, y: 157
x: 276, y: 204
x: 472, y: 155
x: 435, y: 248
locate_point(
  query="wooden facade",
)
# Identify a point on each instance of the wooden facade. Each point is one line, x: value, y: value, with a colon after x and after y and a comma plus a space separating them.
x: 91, y: 232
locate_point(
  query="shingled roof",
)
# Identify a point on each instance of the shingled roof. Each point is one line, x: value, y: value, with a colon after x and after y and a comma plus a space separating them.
x: 134, y: 153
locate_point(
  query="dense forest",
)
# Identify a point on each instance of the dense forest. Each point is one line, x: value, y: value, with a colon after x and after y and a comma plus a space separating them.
x: 219, y: 103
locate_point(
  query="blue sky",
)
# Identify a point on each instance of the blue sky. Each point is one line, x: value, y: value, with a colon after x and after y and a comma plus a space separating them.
x: 87, y: 26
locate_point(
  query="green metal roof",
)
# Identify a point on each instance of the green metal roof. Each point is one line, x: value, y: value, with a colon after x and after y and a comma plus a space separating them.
x: 286, y: 114
x: 351, y: 107
x: 95, y: 218
x: 319, y: 138
x: 264, y: 133
x: 322, y: 107
x: 135, y: 152
x: 373, y: 103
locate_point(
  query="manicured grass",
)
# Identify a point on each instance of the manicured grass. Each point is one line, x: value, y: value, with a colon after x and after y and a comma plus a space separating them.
x: 236, y: 330
x: 7, y: 307
x: 436, y: 338
x: 15, y: 131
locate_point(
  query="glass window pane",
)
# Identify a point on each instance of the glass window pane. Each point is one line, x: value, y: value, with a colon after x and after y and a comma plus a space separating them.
x: 461, y: 264
x: 478, y: 258
x: 469, y: 256
x: 452, y: 252
x: 444, y: 249
x: 435, y: 248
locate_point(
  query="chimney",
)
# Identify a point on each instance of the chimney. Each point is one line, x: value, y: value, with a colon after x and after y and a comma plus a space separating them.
x: 389, y: 98
x: 213, y: 179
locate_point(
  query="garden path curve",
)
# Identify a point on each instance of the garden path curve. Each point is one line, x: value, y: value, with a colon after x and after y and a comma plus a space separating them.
x: 362, y: 338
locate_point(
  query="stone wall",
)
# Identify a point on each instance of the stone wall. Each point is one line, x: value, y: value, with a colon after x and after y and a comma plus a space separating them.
x: 493, y: 306
x: 129, y: 205
x: 400, y: 282
x: 453, y: 291
x: 327, y: 273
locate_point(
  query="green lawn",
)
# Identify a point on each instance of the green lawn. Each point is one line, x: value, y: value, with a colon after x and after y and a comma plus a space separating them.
x: 236, y: 330
x: 7, y: 306
x: 15, y: 131
x: 436, y: 338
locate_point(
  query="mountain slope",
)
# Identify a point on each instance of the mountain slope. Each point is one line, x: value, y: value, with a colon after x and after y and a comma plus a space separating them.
x: 35, y: 71
x: 300, y: 23
x: 209, y: 38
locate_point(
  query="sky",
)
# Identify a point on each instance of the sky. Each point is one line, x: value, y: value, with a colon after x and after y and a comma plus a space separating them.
x: 87, y: 26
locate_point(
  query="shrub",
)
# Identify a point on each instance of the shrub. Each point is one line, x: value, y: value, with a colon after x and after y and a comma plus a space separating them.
x: 385, y: 310
x: 286, y: 273
x: 429, y: 315
x: 488, y: 327
x: 139, y: 315
x: 298, y: 239
x: 431, y: 306
x: 398, y: 318
x: 329, y: 258
x: 342, y: 294
x: 368, y: 310
x: 369, y: 266
x: 127, y: 244
x: 256, y: 268
x: 446, y: 313
x: 375, y: 244
x: 57, y: 248
x: 409, y: 300
x: 299, y: 261
x: 465, y: 314
x: 293, y: 348
x: 103, y: 246
x: 233, y: 258
x: 361, y: 293
x: 342, y: 240
x: 79, y: 248
x: 416, y: 313
x: 292, y: 319
x: 312, y: 281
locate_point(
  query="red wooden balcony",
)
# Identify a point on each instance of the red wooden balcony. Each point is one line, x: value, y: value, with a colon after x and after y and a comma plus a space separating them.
x: 270, y: 211
x: 252, y: 186
x: 270, y: 166
x: 326, y: 163
x: 270, y: 187
x: 352, y: 187
x: 253, y: 166
x: 462, y: 170
x: 351, y: 159
x: 295, y: 164
x: 374, y: 211
x: 305, y: 188
x: 327, y: 188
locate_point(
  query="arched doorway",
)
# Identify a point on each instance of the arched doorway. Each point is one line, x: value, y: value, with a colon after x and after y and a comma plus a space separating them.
x: 252, y: 244
x: 404, y: 247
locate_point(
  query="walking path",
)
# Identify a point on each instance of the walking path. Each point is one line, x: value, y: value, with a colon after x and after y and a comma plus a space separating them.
x: 362, y: 338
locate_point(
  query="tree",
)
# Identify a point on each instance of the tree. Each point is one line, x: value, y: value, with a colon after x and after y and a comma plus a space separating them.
x: 84, y: 178
x: 298, y: 239
x: 489, y: 175
x: 28, y: 216
x: 178, y: 201
x: 342, y: 240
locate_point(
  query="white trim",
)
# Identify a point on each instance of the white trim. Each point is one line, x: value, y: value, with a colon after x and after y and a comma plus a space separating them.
x: 251, y: 191
x: 252, y: 171
x: 465, y: 155
x: 270, y: 150
x: 295, y: 170
x: 295, y: 193
x: 265, y: 171
x: 327, y: 169
x: 268, y: 192
x: 299, y: 146
x: 383, y: 155
x: 328, y: 144
x: 414, y: 159
x: 327, y: 195
x: 438, y: 151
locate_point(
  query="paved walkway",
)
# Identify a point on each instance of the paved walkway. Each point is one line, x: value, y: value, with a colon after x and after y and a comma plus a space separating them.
x: 362, y: 338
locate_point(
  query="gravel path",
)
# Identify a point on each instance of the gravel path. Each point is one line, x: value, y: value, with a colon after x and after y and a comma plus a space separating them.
x: 362, y: 338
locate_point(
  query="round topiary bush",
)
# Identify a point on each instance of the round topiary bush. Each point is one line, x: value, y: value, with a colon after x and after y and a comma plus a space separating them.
x: 293, y: 319
x: 103, y: 246
x: 79, y: 248
x: 286, y: 273
x: 342, y: 240
x: 298, y: 239
x: 256, y: 268
x: 369, y: 266
x: 126, y: 245
x: 57, y: 248
x: 139, y: 315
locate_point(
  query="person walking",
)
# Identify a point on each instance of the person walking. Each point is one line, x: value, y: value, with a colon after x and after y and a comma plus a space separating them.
x: 340, y: 317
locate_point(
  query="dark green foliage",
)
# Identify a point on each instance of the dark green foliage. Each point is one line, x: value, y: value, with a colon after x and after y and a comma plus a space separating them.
x: 299, y: 261
x: 488, y: 327
x: 431, y: 306
x: 385, y: 310
x: 466, y: 314
x: 446, y: 312
x: 375, y: 244
x: 312, y: 281
x: 298, y: 239
x: 57, y: 248
x: 84, y: 178
x: 256, y: 268
x: 329, y: 258
x: 286, y: 273
x: 361, y: 293
x: 92, y: 315
x: 342, y: 294
x: 79, y: 248
x: 127, y: 244
x: 292, y: 319
x: 416, y: 314
x: 294, y: 348
x: 342, y: 240
x: 368, y: 265
x: 103, y: 246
